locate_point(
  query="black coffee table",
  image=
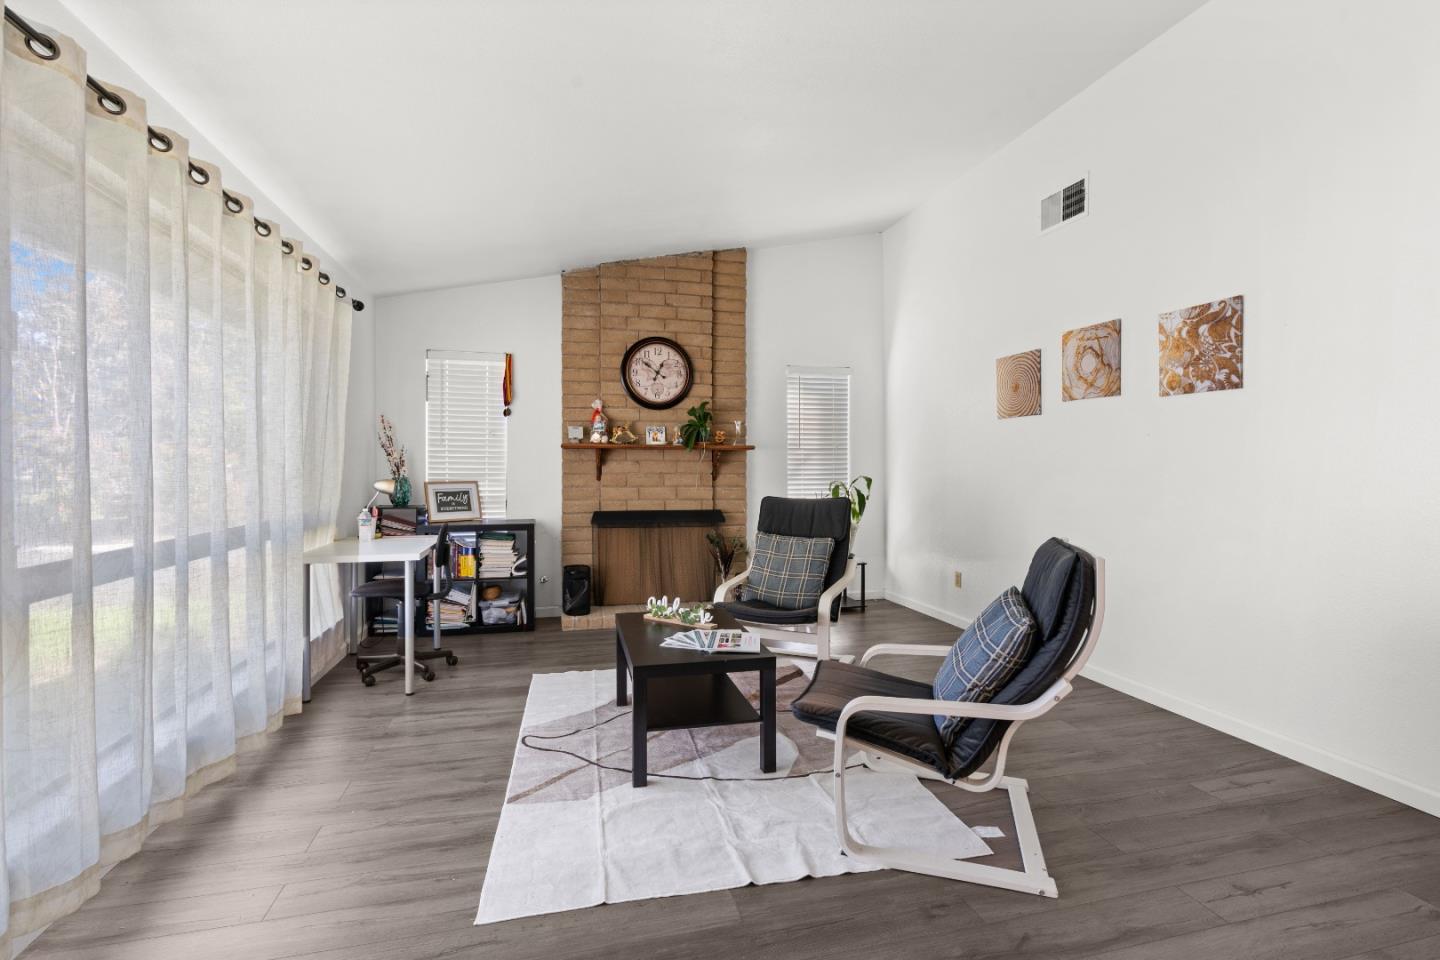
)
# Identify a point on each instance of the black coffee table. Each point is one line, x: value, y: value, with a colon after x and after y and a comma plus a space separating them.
x: 686, y: 688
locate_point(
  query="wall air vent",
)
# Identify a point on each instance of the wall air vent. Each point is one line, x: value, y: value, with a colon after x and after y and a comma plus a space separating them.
x: 1065, y: 204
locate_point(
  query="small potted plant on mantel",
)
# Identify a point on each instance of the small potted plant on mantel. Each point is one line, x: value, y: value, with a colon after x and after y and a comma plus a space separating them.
x: 858, y: 490
x: 697, y: 428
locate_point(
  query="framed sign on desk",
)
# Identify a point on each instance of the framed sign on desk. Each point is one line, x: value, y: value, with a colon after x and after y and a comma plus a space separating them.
x: 448, y: 500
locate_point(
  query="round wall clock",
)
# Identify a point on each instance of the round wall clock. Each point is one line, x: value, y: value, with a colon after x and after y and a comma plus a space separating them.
x: 657, y: 372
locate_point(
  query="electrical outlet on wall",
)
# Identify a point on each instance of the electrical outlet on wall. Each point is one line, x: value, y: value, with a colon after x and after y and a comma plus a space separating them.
x: 957, y: 579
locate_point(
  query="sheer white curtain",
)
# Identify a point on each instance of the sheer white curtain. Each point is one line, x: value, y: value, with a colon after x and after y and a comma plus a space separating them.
x: 172, y: 386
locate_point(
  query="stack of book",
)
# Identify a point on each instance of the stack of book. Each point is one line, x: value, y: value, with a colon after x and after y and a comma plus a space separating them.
x: 395, y: 525
x: 457, y: 608
x: 497, y: 554
x: 462, y: 559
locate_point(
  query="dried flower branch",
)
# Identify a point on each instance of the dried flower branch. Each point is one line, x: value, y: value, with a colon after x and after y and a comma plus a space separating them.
x: 395, y: 455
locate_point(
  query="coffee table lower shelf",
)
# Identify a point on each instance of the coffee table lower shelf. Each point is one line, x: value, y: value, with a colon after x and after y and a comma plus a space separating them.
x: 675, y: 689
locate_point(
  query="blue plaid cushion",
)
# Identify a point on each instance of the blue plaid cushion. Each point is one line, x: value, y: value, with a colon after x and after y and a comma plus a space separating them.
x: 987, y: 655
x: 788, y: 572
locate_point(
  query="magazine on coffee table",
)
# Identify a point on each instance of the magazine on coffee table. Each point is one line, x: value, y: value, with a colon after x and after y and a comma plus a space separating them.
x: 714, y: 641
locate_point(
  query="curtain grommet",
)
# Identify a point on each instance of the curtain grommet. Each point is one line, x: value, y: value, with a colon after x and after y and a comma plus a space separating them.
x: 357, y: 305
x: 199, y: 174
x: 160, y: 141
x: 339, y: 293
x: 287, y: 247
x: 306, y: 263
x: 262, y: 228
x: 112, y: 103
x: 42, y: 46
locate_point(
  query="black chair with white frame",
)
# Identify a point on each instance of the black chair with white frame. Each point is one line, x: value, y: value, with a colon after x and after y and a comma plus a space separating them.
x: 393, y: 588
x: 890, y: 720
x: 790, y: 631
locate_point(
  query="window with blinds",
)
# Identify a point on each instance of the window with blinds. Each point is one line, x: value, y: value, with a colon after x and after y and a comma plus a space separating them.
x: 817, y: 445
x: 465, y: 437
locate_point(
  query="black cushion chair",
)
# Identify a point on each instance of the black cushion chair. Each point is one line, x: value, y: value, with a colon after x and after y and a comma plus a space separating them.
x: 779, y: 628
x: 393, y: 589
x: 890, y: 719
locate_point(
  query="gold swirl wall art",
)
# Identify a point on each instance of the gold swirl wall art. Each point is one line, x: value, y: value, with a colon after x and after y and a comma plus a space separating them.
x: 1202, y: 348
x: 1017, y: 385
x: 1090, y: 362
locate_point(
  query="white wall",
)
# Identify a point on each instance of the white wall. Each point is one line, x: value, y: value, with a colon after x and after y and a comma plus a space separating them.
x: 818, y: 304
x: 521, y: 317
x: 1272, y: 551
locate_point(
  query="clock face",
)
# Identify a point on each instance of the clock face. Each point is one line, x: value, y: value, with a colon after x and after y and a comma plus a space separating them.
x: 656, y: 372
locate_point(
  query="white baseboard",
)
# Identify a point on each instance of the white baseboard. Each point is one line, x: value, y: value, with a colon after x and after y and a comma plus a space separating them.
x: 1353, y: 771
x: 930, y: 611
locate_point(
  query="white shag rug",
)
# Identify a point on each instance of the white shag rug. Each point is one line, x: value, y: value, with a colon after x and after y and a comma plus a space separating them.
x: 573, y: 832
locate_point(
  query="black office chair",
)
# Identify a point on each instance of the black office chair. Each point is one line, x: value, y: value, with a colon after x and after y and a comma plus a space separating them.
x: 393, y: 588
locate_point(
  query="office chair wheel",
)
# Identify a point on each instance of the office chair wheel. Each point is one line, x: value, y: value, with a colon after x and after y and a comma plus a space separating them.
x: 451, y: 660
x: 368, y: 679
x: 428, y: 675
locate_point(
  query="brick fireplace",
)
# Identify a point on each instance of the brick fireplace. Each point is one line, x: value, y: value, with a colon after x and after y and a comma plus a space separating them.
x: 697, y: 300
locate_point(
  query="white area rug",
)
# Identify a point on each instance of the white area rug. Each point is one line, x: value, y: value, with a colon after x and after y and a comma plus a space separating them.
x: 574, y: 835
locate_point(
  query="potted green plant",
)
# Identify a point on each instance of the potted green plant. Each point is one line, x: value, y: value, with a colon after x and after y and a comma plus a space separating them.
x: 858, y: 491
x: 697, y: 428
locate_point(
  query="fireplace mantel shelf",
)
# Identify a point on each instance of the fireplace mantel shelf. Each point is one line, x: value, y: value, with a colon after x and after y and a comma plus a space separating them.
x: 601, y: 449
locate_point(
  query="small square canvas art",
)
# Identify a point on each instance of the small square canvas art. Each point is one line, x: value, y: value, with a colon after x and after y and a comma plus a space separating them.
x: 654, y: 434
x: 1090, y: 362
x: 1017, y: 385
x: 1202, y: 348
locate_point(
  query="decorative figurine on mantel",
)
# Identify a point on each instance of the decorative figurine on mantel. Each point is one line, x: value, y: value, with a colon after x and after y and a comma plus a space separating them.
x: 599, y: 425
x: 623, y: 434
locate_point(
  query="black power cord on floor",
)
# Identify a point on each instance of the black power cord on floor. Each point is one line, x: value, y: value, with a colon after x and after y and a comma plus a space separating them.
x: 527, y: 737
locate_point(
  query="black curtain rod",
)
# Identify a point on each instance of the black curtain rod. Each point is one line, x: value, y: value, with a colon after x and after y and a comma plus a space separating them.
x: 45, y: 47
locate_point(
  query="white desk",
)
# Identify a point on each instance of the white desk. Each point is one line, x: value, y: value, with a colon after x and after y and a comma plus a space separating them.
x: 406, y: 550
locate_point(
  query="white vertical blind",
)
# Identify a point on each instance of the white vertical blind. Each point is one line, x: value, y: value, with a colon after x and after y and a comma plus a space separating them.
x: 817, y: 411
x: 465, y: 436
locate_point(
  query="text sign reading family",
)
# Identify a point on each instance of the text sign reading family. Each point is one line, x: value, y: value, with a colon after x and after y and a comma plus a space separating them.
x: 454, y: 501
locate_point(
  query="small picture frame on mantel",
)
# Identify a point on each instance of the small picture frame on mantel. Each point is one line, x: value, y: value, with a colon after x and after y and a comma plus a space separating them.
x: 447, y: 500
x: 655, y: 434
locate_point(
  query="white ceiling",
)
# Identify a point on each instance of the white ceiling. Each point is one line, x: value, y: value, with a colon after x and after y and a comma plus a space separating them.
x: 438, y: 142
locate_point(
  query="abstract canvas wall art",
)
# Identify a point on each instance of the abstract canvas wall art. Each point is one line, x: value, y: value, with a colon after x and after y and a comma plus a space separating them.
x: 1090, y: 361
x: 1202, y: 348
x: 1017, y: 385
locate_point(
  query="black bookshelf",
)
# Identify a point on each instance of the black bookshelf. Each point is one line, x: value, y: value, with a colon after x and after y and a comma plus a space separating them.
x: 468, y: 534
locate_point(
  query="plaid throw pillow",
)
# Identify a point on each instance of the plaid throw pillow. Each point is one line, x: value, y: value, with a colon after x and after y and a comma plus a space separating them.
x: 987, y: 655
x: 788, y: 572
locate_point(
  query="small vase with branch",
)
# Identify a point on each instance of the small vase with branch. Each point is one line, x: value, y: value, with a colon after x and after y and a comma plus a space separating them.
x: 395, y: 456
x: 723, y: 551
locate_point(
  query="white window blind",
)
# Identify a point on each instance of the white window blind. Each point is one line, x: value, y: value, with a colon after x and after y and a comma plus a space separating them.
x: 465, y: 422
x: 817, y: 448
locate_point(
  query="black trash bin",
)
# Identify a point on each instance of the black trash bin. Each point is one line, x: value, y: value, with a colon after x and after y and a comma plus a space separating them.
x: 575, y: 597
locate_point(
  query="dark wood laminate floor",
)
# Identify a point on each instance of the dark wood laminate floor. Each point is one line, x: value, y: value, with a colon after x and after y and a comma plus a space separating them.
x: 361, y: 831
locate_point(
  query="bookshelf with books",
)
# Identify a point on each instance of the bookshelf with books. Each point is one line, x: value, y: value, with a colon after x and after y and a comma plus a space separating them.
x: 491, y: 568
